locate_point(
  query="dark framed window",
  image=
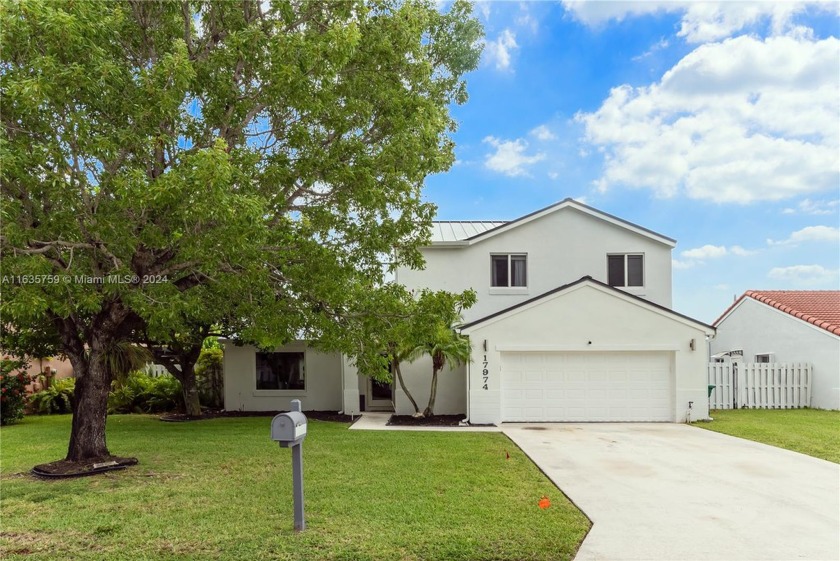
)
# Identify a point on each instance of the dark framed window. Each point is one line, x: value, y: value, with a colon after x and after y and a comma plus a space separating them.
x: 626, y: 269
x: 509, y: 270
x: 281, y: 371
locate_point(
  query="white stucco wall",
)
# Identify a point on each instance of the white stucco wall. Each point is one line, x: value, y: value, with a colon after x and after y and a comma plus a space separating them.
x: 451, y: 398
x: 569, y: 321
x: 758, y: 329
x: 324, y: 384
x: 562, y: 247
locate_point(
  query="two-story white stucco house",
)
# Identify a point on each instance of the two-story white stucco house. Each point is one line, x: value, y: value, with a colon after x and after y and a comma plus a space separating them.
x: 573, y: 323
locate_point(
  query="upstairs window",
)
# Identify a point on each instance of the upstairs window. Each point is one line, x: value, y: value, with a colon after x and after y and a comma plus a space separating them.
x: 280, y: 371
x: 508, y: 270
x: 765, y: 358
x: 626, y: 269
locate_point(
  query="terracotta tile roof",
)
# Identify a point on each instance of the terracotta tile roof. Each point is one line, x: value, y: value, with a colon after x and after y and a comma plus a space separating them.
x: 819, y: 307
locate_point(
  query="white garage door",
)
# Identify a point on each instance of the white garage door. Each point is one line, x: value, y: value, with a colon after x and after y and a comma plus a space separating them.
x: 576, y: 387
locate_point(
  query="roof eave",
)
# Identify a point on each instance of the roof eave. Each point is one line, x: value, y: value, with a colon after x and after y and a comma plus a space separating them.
x: 565, y: 203
x: 708, y: 329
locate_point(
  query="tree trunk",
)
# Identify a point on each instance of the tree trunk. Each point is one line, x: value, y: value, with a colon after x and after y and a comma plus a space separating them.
x: 90, y: 411
x: 430, y: 408
x: 192, y: 405
x: 180, y: 362
x: 404, y: 388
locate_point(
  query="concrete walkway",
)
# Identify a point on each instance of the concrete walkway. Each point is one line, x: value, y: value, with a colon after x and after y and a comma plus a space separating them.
x: 667, y: 492
x: 379, y: 421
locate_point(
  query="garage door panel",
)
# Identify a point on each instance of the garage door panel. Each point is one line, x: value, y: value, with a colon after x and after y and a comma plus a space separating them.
x: 621, y: 386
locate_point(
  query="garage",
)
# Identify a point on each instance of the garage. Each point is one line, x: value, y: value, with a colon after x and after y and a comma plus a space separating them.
x: 587, y: 352
x: 586, y: 386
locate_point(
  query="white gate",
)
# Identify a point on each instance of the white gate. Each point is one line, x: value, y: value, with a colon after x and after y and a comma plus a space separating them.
x: 760, y: 385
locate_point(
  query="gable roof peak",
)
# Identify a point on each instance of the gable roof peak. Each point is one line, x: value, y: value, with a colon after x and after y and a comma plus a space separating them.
x: 492, y: 228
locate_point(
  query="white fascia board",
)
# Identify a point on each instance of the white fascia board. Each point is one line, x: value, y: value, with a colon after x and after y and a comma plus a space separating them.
x: 611, y: 292
x: 457, y: 243
x: 563, y: 348
x: 554, y: 208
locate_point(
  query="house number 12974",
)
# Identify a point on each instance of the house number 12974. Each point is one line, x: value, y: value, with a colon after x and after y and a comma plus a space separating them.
x: 485, y: 373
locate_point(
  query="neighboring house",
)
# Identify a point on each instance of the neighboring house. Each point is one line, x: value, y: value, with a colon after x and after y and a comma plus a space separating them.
x: 787, y: 326
x: 58, y: 367
x: 572, y: 323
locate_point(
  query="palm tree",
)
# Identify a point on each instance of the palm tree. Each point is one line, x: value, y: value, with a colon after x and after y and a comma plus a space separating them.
x: 447, y: 347
x: 122, y: 358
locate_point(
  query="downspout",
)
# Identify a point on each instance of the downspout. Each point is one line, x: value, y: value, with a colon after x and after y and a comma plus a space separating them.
x: 469, y: 375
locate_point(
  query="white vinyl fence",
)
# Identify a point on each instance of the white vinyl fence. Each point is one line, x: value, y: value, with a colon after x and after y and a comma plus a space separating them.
x: 156, y: 370
x: 760, y: 385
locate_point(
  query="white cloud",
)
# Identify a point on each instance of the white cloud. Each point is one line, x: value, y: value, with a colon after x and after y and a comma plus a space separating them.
x: 803, y: 274
x: 810, y: 234
x: 498, y: 52
x: 701, y: 21
x: 510, y: 157
x: 658, y: 46
x: 677, y: 264
x: 738, y: 121
x: 483, y: 9
x: 807, y: 206
x: 699, y: 255
x: 543, y: 133
x: 740, y: 251
x: 705, y: 252
x: 525, y: 19
x: 553, y: 175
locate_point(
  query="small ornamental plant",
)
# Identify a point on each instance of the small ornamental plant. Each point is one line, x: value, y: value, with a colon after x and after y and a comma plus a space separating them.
x: 13, y: 381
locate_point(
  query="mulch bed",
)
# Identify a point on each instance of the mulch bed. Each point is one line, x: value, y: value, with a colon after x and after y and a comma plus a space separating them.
x: 433, y: 421
x: 63, y: 469
x: 332, y: 416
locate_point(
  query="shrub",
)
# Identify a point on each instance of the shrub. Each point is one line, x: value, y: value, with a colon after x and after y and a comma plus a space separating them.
x: 57, y: 398
x: 209, y: 372
x: 141, y: 393
x: 13, y: 380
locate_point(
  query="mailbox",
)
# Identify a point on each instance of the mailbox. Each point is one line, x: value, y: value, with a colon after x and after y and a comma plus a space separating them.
x: 288, y: 429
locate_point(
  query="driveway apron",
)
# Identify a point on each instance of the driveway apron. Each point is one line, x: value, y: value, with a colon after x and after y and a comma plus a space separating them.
x: 673, y: 492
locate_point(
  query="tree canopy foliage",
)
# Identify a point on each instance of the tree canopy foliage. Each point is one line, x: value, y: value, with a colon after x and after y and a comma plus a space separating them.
x: 167, y: 165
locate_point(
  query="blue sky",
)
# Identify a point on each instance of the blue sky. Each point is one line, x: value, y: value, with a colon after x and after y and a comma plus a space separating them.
x: 714, y: 123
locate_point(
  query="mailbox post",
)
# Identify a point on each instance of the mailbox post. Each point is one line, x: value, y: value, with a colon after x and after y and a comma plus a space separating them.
x: 289, y: 430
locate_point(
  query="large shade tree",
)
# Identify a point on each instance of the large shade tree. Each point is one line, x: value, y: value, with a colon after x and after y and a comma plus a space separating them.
x: 273, y: 151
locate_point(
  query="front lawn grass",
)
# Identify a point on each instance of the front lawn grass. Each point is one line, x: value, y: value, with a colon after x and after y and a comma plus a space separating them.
x: 220, y: 489
x: 810, y: 431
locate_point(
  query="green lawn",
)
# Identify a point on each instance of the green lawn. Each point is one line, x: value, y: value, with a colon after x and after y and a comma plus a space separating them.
x: 220, y: 489
x: 810, y: 431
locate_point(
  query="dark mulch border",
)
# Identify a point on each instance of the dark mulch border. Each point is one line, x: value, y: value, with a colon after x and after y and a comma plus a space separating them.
x: 330, y: 416
x: 63, y: 469
x: 433, y: 421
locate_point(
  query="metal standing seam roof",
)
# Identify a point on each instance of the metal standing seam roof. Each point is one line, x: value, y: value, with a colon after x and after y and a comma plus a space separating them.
x: 818, y: 307
x: 459, y: 230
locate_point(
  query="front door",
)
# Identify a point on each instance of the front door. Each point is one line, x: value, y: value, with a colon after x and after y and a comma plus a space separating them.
x: 380, y: 396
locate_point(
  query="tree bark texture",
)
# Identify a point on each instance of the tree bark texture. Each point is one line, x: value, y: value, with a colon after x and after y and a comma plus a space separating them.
x: 189, y: 387
x: 430, y: 408
x: 90, y: 412
x: 410, y: 397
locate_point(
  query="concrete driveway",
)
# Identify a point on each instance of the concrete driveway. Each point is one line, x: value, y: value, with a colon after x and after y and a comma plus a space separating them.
x: 673, y: 492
